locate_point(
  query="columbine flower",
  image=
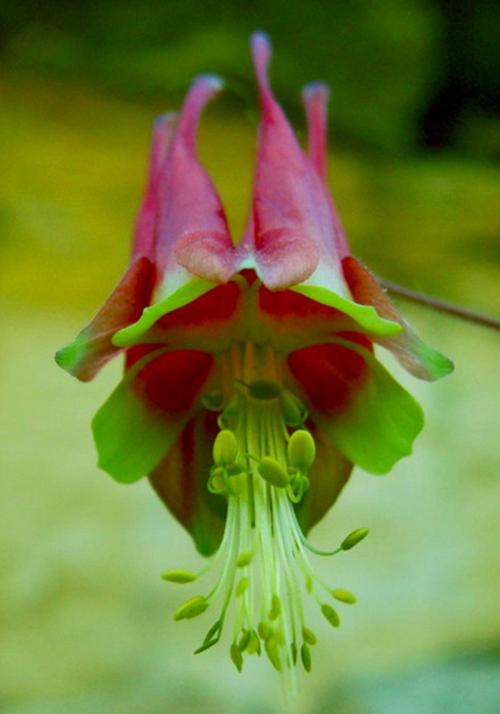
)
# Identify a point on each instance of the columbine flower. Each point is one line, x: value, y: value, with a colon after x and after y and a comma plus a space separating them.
x: 251, y: 387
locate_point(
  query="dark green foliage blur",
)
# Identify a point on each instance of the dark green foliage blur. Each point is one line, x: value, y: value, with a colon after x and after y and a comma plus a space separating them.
x: 404, y: 74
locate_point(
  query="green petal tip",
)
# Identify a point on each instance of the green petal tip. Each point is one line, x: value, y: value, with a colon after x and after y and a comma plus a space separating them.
x: 71, y: 355
x: 187, y: 293
x: 365, y: 315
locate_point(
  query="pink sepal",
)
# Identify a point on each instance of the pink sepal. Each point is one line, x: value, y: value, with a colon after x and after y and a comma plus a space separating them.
x: 192, y: 229
x: 315, y: 96
x: 144, y: 234
x: 292, y: 218
x: 93, y: 347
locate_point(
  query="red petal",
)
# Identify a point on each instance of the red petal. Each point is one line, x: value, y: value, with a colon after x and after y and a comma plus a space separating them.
x: 147, y: 411
x: 366, y: 414
x: 209, y: 323
x: 180, y: 480
x: 330, y: 375
x: 171, y: 382
x: 292, y: 321
x: 137, y: 352
x: 287, y: 303
x: 216, y: 305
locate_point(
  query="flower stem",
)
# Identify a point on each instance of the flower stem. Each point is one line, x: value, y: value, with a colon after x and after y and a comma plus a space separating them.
x: 420, y: 298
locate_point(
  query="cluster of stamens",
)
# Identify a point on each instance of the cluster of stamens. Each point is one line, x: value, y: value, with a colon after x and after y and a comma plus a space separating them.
x: 262, y: 456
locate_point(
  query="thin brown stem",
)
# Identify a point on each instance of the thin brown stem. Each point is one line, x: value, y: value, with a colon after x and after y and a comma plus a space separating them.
x: 441, y: 305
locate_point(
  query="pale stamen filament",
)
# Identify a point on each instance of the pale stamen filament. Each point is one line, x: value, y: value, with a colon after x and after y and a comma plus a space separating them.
x: 265, y: 568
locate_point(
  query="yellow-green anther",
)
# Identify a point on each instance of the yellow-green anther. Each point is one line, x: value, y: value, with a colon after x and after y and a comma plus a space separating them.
x: 225, y: 448
x: 331, y: 615
x: 293, y: 648
x: 228, y: 414
x: 206, y: 645
x: 305, y: 655
x: 298, y: 486
x: 236, y: 656
x: 309, y: 636
x: 242, y: 586
x: 273, y: 472
x: 253, y: 646
x: 272, y: 645
x: 244, y: 640
x: 192, y: 608
x: 213, y: 401
x: 244, y: 559
x: 344, y: 596
x: 179, y: 576
x: 309, y: 584
x: 294, y: 412
x: 301, y: 450
x: 275, y: 610
x: 214, y: 632
x: 263, y: 630
x: 295, y: 491
x: 354, y: 538
x: 217, y: 480
x: 264, y: 389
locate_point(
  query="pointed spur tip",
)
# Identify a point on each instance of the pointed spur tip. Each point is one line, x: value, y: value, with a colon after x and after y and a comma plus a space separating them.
x: 210, y: 82
x: 164, y: 120
x: 260, y: 44
x: 315, y: 90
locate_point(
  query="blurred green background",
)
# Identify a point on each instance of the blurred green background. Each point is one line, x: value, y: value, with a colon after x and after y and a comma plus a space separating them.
x: 86, y: 620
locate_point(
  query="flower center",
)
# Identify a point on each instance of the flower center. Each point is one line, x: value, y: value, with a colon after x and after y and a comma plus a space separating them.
x: 262, y: 456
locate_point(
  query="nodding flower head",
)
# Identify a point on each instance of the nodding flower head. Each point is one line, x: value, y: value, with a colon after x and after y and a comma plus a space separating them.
x: 251, y: 387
